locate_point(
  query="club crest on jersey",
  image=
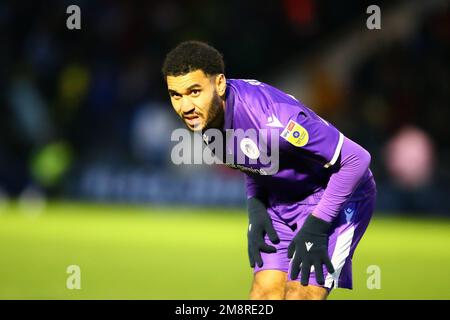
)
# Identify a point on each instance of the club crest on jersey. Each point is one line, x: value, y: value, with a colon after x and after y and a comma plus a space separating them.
x: 295, y: 134
x: 249, y: 148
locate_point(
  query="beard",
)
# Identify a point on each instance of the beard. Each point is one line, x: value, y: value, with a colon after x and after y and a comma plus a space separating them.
x: 215, y: 116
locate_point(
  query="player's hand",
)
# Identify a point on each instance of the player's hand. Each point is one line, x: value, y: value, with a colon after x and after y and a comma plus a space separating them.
x: 310, y: 248
x: 260, y: 224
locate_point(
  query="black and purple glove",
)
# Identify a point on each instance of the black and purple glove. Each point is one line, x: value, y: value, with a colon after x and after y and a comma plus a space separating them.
x: 260, y: 224
x: 310, y: 248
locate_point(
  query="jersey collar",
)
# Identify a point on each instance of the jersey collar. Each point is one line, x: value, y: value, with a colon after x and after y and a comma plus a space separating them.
x: 229, y: 107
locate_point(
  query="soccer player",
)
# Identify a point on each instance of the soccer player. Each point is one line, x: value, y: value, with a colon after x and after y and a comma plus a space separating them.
x: 306, y: 218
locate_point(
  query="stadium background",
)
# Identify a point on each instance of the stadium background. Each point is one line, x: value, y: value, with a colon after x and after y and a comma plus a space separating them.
x: 85, y: 124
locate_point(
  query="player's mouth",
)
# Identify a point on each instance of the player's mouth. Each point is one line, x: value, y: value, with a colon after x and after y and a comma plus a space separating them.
x: 192, y: 120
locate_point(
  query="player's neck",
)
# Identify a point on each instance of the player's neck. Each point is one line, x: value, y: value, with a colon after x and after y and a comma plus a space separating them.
x: 219, y: 120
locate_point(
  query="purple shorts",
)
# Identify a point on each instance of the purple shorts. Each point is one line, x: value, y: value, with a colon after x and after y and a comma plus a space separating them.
x: 347, y: 230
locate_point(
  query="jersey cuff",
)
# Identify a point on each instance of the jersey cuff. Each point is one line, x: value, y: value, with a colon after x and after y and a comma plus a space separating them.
x: 336, y: 152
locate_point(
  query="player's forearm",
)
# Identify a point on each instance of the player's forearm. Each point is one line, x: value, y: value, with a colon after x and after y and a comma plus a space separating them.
x: 354, y: 163
x: 255, y: 205
x: 253, y: 190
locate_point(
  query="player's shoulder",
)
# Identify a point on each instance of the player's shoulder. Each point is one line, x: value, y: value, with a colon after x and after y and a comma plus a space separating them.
x: 262, y: 104
x: 260, y: 95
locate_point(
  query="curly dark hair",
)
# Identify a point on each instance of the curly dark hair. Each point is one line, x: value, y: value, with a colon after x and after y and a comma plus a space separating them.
x: 190, y: 56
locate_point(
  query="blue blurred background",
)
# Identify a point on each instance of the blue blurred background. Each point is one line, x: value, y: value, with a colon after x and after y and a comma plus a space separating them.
x: 84, y: 114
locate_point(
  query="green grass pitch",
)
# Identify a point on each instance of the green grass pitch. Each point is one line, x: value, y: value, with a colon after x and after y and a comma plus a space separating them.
x: 127, y: 252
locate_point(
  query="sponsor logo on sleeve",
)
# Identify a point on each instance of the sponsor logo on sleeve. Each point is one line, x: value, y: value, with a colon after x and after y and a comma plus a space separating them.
x: 295, y: 134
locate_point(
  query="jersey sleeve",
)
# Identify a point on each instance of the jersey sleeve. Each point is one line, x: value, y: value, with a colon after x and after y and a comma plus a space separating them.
x: 308, y: 134
x: 252, y: 188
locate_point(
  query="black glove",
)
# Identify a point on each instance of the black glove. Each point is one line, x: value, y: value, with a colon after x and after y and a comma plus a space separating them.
x: 260, y: 224
x: 310, y: 248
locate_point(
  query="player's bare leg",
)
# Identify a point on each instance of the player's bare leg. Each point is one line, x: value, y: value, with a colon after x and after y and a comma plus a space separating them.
x: 295, y: 291
x: 268, y: 285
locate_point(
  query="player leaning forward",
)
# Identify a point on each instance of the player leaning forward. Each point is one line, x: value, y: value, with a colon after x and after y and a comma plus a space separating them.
x: 318, y: 204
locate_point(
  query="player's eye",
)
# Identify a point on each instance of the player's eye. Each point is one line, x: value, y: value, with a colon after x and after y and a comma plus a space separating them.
x: 175, y: 95
x: 195, y: 93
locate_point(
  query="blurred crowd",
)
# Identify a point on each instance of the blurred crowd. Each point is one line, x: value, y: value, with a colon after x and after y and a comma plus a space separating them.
x: 85, y: 114
x: 400, y: 106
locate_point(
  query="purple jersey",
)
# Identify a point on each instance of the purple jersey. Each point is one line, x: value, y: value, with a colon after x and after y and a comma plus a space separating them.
x: 308, y: 145
x: 317, y: 170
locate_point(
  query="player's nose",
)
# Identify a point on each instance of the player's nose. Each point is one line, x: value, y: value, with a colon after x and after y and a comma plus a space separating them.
x: 187, y: 106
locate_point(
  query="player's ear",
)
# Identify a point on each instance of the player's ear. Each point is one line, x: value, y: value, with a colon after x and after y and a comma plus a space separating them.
x: 221, y: 84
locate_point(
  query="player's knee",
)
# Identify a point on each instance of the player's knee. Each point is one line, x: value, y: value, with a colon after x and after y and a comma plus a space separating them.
x: 295, y: 291
x: 259, y: 292
x: 268, y: 285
